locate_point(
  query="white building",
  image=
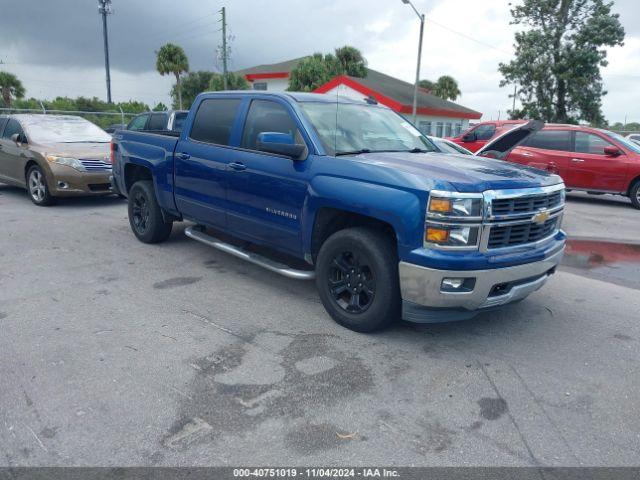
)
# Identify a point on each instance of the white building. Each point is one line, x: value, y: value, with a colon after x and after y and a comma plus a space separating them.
x: 436, y: 116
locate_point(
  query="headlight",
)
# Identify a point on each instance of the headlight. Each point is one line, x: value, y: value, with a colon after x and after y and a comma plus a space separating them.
x: 452, y: 235
x: 453, y: 220
x: 67, y: 161
x: 455, y: 207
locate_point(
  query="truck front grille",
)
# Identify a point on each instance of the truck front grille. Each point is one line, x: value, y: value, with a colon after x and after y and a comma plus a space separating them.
x: 524, y: 205
x: 512, y: 235
x: 515, y: 217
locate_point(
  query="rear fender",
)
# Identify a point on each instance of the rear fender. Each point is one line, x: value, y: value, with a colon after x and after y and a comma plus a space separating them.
x: 159, y: 162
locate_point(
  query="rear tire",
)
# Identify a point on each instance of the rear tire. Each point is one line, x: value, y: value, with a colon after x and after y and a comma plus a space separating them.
x: 634, y: 194
x: 357, y: 279
x: 145, y: 215
x: 37, y: 187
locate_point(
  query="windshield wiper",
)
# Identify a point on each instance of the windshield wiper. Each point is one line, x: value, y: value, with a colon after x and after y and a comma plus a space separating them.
x: 367, y: 150
x: 354, y: 152
x: 419, y: 150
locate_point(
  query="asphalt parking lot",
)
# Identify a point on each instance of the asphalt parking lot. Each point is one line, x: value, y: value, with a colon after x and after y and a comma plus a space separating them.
x: 117, y: 353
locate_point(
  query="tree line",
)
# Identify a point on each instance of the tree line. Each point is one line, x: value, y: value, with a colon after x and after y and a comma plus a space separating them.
x: 310, y: 73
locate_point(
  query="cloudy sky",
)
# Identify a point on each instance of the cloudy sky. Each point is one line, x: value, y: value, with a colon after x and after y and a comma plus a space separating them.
x: 55, y: 47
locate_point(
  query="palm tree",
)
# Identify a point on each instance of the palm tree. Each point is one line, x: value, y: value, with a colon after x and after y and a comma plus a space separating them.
x: 10, y: 86
x: 351, y: 61
x: 427, y: 85
x: 446, y: 88
x: 172, y: 59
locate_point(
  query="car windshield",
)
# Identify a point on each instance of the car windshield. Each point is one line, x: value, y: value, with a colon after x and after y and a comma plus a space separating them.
x: 350, y: 128
x: 450, y: 147
x: 67, y: 129
x: 634, y: 147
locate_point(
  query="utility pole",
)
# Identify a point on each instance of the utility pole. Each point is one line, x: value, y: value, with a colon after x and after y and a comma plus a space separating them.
x: 415, y: 87
x: 224, y: 47
x: 104, y: 7
x: 515, y: 92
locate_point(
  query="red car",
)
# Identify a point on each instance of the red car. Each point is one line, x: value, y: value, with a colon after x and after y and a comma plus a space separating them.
x: 479, y: 135
x: 589, y: 159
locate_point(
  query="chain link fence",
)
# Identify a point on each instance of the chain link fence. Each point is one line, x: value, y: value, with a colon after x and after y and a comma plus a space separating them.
x: 102, y: 119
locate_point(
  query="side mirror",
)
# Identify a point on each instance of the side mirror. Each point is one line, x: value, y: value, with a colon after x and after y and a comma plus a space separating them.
x: 469, y: 137
x: 612, y: 151
x: 280, y: 144
x: 18, y: 139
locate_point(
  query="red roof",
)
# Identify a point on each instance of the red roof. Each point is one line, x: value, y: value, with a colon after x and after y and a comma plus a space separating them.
x: 387, y: 90
x: 398, y: 95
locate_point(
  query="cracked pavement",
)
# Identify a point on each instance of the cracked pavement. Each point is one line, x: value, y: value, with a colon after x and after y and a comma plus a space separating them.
x: 115, y: 353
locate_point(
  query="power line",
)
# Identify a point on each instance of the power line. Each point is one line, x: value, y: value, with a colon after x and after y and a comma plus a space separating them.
x: 182, y: 25
x: 188, y: 35
x: 468, y: 37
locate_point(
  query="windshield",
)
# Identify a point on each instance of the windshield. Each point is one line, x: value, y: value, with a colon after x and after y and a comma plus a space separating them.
x: 634, y: 147
x: 67, y: 129
x: 347, y: 128
x: 449, y: 147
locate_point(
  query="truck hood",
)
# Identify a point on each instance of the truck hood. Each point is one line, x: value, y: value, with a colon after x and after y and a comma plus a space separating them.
x: 465, y: 173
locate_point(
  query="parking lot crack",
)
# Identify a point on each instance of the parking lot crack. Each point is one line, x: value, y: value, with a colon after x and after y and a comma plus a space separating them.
x: 544, y: 412
x: 511, y: 417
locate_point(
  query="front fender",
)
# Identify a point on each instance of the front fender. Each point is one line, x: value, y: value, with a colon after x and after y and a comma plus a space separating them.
x: 403, y: 210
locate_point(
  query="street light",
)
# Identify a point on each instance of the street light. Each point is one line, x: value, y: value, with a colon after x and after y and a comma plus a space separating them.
x: 415, y: 88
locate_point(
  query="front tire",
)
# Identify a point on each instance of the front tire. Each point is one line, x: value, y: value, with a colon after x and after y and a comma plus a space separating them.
x: 37, y: 187
x: 145, y: 215
x: 357, y: 279
x: 634, y: 194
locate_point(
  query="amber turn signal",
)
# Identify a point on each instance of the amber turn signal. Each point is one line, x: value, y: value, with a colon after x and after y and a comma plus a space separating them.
x: 440, y: 205
x: 437, y: 235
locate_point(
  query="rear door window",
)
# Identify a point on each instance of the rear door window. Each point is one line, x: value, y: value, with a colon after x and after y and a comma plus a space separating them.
x: 590, y: 143
x: 11, y: 128
x: 214, y: 120
x: 550, y: 140
x: 138, y: 123
x: 158, y: 121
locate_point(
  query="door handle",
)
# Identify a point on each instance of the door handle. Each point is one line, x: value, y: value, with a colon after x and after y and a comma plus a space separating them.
x: 577, y: 160
x: 184, y: 156
x: 237, y: 166
x: 527, y: 154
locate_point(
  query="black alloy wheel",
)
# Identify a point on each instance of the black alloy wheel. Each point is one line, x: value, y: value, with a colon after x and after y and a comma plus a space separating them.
x: 352, y: 282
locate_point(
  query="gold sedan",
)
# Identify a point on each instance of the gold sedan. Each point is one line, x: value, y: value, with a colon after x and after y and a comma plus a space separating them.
x: 54, y: 156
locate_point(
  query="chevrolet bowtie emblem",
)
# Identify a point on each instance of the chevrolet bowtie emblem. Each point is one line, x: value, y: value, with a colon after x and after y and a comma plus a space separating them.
x: 541, y: 217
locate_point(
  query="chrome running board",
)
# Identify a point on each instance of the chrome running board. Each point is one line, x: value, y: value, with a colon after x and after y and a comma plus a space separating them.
x: 197, y: 234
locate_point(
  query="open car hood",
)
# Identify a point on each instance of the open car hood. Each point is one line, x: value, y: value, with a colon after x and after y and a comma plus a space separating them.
x: 500, y: 146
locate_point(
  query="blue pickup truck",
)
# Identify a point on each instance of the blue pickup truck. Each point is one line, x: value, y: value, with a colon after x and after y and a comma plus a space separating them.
x: 348, y: 193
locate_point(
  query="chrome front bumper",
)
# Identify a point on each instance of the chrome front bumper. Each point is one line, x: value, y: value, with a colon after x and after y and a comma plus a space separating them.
x: 424, y: 300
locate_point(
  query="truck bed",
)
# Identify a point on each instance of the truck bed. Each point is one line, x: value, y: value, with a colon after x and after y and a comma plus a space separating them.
x: 150, y: 150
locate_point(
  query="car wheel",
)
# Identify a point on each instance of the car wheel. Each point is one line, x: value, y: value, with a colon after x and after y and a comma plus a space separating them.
x: 145, y: 215
x: 634, y: 194
x: 38, y: 188
x: 357, y: 279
